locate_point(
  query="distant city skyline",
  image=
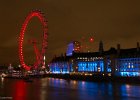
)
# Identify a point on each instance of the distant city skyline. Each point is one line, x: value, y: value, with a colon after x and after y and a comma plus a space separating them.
x: 112, y: 22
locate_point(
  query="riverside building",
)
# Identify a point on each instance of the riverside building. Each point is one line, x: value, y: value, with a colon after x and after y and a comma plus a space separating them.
x: 113, y: 62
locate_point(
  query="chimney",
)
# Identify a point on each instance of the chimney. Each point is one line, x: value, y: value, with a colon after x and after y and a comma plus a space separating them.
x: 101, y: 48
x: 138, y: 46
x: 118, y: 48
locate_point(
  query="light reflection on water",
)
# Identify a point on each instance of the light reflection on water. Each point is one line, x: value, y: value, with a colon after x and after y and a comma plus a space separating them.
x: 53, y: 89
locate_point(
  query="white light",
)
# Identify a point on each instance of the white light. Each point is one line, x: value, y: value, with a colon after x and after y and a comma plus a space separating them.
x: 19, y: 65
x: 44, y: 57
x: 129, y: 66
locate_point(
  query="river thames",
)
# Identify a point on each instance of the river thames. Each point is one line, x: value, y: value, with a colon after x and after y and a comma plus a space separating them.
x: 59, y: 89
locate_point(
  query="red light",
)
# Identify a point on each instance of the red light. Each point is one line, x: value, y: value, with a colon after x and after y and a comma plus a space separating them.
x: 91, y: 39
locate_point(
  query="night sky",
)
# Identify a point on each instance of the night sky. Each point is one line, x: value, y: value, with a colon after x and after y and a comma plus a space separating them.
x: 111, y: 21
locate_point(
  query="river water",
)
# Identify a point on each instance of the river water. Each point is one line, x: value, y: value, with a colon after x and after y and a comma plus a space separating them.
x: 59, y: 89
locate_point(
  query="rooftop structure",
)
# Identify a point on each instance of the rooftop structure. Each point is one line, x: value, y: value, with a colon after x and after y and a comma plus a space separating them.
x: 74, y: 46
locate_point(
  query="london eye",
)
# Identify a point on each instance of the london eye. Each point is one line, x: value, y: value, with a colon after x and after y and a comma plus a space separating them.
x: 39, y: 54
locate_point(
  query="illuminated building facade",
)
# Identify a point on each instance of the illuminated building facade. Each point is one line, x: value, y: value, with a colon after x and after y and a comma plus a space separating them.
x: 60, y: 65
x: 128, y: 62
x: 128, y: 66
x: 88, y: 62
x: 115, y: 62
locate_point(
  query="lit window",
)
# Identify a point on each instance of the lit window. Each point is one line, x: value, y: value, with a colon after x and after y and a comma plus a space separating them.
x: 132, y: 66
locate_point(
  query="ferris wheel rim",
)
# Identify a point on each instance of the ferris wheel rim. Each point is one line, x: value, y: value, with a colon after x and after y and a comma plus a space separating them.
x: 43, y: 21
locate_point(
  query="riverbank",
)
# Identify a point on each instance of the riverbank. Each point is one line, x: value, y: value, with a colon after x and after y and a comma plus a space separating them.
x: 94, y: 78
x: 97, y: 78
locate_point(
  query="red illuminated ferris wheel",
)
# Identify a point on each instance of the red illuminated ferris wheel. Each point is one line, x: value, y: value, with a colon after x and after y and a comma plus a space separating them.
x: 39, y: 54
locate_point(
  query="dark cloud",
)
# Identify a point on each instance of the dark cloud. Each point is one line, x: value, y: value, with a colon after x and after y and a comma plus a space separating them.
x: 111, y: 21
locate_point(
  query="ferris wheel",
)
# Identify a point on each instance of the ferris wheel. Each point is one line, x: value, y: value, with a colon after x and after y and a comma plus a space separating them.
x: 39, y: 54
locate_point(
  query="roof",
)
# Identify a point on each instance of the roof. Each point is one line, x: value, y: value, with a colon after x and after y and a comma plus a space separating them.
x: 132, y: 52
x: 124, y: 53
